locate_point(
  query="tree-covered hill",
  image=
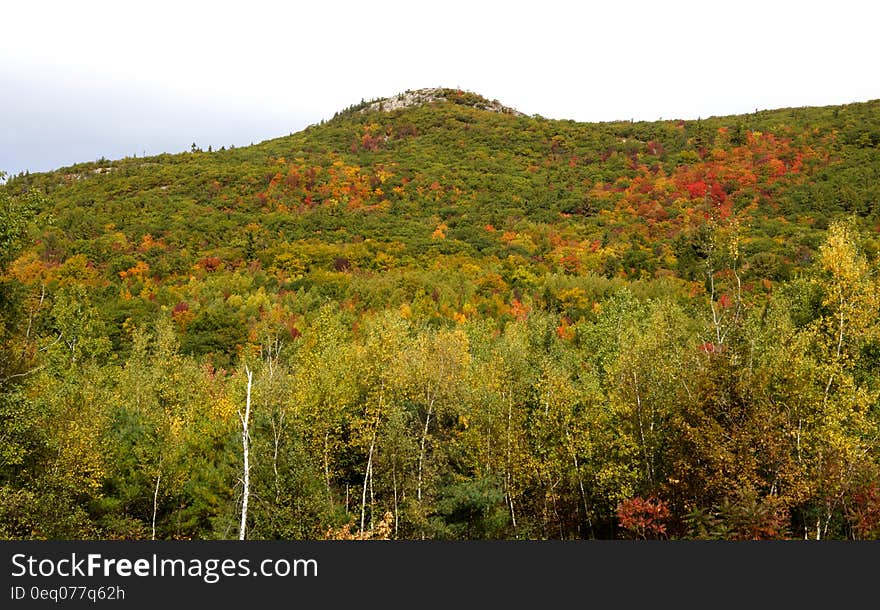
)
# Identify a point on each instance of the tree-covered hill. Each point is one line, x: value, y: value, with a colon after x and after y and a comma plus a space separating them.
x: 482, y: 323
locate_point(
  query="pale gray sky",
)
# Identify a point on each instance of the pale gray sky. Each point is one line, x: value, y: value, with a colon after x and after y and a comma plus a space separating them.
x: 81, y: 80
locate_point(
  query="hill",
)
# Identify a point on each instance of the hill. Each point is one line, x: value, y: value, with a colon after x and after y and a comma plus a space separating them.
x: 485, y: 323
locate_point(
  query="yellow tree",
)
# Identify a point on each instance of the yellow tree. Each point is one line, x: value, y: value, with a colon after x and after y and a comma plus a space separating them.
x: 500, y: 381
x: 847, y: 433
x: 377, y: 352
x: 324, y: 392
x: 567, y: 425
x: 648, y: 382
x: 431, y: 372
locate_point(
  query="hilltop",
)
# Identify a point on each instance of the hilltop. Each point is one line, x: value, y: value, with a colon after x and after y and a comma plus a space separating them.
x: 420, y: 97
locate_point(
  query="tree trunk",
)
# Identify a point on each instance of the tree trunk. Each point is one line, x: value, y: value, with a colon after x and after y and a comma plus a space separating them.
x: 508, y: 478
x: 580, y: 480
x: 422, y: 450
x: 277, y: 428
x: 327, y: 472
x: 836, y: 355
x: 396, y: 510
x: 156, y: 503
x: 245, y: 446
x: 368, y: 475
x: 646, y: 454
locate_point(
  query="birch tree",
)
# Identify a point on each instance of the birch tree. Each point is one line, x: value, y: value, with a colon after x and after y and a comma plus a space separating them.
x: 383, y: 341
x: 848, y: 434
x: 244, y: 418
x: 431, y: 371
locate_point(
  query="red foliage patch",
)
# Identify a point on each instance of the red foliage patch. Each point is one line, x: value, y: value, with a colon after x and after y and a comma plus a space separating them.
x: 643, y: 518
x: 697, y: 189
x: 865, y: 512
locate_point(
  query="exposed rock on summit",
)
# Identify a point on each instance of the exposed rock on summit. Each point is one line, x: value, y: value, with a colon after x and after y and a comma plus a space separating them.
x: 419, y: 97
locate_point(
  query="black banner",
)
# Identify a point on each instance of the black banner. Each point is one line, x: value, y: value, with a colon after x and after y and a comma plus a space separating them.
x: 452, y: 574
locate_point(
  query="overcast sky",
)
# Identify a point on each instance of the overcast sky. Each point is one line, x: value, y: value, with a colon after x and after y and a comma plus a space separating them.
x: 85, y: 79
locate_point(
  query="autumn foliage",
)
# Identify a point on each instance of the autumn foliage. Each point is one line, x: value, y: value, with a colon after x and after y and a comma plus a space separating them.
x: 463, y: 322
x: 643, y: 518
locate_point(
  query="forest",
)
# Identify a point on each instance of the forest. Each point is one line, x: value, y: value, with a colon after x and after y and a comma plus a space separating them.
x: 451, y: 321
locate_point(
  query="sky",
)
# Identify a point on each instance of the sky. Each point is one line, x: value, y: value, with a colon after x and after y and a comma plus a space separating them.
x: 90, y: 79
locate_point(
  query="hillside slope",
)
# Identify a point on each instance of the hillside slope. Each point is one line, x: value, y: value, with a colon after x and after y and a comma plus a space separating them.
x: 527, y: 200
x: 615, y: 199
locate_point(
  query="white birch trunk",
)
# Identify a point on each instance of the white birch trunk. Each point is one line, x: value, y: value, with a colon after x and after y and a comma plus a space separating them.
x: 277, y: 431
x: 508, y: 477
x: 327, y: 472
x: 156, y: 503
x: 422, y: 444
x: 245, y: 446
x: 368, y: 474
